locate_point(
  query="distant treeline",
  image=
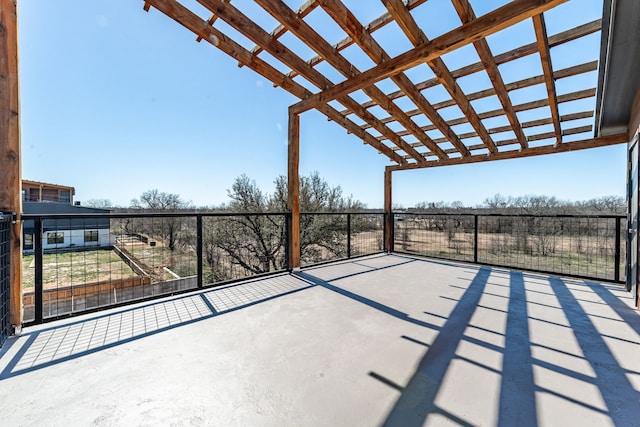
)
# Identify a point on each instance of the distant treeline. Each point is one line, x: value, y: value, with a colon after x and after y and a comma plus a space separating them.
x: 531, y: 204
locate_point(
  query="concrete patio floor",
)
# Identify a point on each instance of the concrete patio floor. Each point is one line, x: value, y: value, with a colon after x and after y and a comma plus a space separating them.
x: 381, y: 340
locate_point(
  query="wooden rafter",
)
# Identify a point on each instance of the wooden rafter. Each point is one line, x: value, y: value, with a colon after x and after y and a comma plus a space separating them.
x: 373, y: 26
x: 497, y: 20
x: 545, y: 58
x: 573, y: 96
x: 304, y: 10
x: 212, y: 20
x: 241, y: 23
x: 350, y: 24
x: 520, y: 84
x: 466, y: 13
x: 440, y: 69
x: 191, y: 21
x: 528, y: 152
x: 503, y: 58
x: 525, y: 125
x: 279, y: 10
x: 398, y: 135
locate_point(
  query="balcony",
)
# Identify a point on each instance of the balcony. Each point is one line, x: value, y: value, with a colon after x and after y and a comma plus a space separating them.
x: 381, y: 339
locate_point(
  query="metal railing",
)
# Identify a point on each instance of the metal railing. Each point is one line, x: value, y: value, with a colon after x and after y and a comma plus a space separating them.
x: 74, y: 264
x: 5, y: 268
x: 77, y: 263
x: 590, y: 247
x: 331, y: 236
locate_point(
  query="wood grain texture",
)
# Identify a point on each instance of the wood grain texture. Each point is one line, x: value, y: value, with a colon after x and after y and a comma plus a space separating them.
x: 528, y: 152
x: 10, y: 150
x: 497, y: 20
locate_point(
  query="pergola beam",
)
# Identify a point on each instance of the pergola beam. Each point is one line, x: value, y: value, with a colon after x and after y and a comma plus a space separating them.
x: 350, y: 24
x: 573, y: 96
x: 466, y: 14
x: 249, y: 29
x: 417, y: 37
x: 194, y: 23
x: 528, y: 152
x: 373, y: 26
x: 525, y: 125
x: 545, y: 57
x: 303, y: 11
x: 497, y: 20
x: 512, y: 55
x: 280, y: 11
x: 531, y: 81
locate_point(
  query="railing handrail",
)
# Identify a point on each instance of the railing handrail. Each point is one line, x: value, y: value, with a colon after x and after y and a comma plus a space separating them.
x: 607, y: 216
x: 380, y: 212
x: 178, y: 214
x: 120, y: 215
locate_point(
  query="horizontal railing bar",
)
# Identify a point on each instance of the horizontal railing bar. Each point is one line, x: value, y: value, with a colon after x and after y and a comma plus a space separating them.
x: 381, y: 212
x: 151, y: 215
x: 120, y: 215
x: 511, y: 215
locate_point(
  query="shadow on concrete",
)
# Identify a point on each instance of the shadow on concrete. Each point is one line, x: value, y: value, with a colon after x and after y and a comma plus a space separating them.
x: 620, y: 396
x: 517, y: 402
x: 56, y: 344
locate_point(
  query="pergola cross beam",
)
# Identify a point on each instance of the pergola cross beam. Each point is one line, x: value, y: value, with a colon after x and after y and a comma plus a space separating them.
x: 497, y: 20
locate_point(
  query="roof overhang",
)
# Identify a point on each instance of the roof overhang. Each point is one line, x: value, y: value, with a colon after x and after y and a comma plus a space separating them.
x: 619, y: 75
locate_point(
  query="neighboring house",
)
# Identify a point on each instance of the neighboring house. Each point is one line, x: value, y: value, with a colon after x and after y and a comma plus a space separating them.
x: 47, y: 199
x: 34, y: 191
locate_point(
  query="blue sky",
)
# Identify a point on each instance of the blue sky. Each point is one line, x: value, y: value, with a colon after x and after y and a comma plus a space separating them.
x: 116, y: 101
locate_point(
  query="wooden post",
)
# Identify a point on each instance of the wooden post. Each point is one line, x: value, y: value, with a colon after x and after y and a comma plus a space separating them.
x: 293, y: 200
x: 388, y: 211
x: 10, y: 173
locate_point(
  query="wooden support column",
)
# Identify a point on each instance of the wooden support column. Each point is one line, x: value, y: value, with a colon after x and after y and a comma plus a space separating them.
x: 293, y: 200
x: 10, y: 173
x: 388, y: 211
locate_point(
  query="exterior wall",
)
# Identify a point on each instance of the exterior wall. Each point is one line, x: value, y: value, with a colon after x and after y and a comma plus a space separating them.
x: 75, y: 239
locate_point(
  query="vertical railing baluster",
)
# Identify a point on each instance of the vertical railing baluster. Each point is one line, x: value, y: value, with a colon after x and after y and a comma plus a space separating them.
x: 287, y: 231
x: 616, y: 262
x: 348, y: 235
x: 199, y: 249
x: 475, y: 238
x: 38, y: 296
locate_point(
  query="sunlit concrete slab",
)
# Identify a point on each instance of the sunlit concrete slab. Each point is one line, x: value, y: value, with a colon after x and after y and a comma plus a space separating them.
x: 381, y: 340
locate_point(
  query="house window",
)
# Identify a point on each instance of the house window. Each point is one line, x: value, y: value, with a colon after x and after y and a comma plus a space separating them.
x: 55, y: 237
x: 91, y: 236
x: 27, y: 243
x: 65, y: 196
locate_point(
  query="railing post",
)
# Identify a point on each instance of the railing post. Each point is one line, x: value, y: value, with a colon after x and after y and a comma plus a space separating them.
x: 475, y: 238
x: 616, y: 262
x: 287, y: 229
x: 38, y: 288
x: 348, y: 235
x: 199, y: 249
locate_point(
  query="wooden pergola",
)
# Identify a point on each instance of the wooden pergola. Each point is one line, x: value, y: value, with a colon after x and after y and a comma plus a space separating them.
x: 419, y: 136
x: 397, y: 117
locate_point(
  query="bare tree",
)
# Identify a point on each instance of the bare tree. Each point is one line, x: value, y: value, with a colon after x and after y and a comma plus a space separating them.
x: 99, y: 203
x: 170, y: 229
x: 257, y: 243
